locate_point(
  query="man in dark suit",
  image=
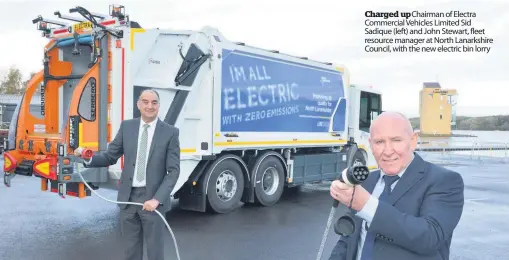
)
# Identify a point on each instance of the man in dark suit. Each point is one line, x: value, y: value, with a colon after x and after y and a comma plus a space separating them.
x: 152, y: 165
x: 408, y: 209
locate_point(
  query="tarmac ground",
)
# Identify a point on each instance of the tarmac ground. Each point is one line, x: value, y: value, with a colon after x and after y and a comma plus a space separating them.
x: 42, y: 226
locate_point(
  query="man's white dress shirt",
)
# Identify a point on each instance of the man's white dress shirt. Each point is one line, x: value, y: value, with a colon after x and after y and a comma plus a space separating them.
x: 368, y: 211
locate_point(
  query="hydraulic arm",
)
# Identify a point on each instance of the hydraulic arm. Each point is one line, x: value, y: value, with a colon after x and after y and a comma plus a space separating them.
x: 74, y: 88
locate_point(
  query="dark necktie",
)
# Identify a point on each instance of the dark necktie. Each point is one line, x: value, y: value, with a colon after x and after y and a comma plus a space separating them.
x: 369, y: 242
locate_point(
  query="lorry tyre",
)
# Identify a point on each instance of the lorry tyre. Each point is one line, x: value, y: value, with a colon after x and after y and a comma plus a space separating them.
x: 358, y: 159
x: 269, y: 182
x: 225, y: 186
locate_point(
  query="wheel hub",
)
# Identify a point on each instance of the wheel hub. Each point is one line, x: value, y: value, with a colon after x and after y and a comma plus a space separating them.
x: 226, y: 185
x: 270, y: 180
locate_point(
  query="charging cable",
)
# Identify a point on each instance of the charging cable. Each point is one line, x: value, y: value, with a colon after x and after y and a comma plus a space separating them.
x: 78, y: 167
x: 345, y: 225
x: 326, y: 233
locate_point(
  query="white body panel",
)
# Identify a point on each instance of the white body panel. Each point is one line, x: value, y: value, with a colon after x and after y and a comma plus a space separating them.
x: 205, y: 93
x: 154, y: 61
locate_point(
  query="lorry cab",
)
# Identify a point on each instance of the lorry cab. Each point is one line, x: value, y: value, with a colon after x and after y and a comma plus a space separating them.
x: 365, y: 106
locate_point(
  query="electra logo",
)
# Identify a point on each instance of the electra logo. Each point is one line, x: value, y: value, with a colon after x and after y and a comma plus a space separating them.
x: 151, y: 61
x: 324, y: 80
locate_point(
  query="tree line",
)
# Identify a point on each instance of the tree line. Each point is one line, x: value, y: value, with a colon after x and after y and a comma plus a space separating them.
x: 13, y: 82
x: 481, y: 123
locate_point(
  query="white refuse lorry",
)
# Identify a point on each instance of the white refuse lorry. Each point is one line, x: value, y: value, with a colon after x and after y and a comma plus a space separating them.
x: 252, y: 121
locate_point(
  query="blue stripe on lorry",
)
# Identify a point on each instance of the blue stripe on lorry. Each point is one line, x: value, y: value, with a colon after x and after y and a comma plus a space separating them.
x: 265, y: 94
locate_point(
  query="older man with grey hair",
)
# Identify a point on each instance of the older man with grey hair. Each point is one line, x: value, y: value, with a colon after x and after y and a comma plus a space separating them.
x: 408, y: 209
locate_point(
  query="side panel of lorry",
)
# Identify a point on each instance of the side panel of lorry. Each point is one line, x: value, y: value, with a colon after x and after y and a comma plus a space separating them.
x: 264, y: 100
x: 263, y: 94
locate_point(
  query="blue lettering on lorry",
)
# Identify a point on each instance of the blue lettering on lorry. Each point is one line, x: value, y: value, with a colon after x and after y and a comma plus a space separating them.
x: 265, y: 94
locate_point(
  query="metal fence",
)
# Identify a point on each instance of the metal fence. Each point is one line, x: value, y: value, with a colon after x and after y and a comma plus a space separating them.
x: 476, y: 152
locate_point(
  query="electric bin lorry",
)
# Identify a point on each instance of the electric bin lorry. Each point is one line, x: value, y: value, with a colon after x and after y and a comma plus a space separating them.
x: 252, y: 121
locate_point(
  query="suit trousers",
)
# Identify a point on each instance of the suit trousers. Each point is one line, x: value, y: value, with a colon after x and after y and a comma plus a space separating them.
x: 138, y: 225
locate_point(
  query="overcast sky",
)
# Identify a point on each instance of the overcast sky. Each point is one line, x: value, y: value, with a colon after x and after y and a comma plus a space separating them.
x: 326, y: 30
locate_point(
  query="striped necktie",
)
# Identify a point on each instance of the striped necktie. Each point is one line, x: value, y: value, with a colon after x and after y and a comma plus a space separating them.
x: 140, y: 170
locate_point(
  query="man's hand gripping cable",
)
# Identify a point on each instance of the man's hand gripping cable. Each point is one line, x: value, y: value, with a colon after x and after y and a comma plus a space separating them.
x: 87, y: 154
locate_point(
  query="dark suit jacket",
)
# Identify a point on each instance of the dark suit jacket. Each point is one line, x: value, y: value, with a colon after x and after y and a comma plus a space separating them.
x: 163, y: 165
x: 418, y: 222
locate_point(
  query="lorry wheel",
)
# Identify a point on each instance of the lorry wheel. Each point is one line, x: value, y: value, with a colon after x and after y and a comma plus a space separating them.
x: 269, y: 182
x: 225, y: 186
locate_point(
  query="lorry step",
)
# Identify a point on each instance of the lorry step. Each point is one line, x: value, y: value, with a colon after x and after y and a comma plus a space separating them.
x: 73, y: 189
x: 25, y: 168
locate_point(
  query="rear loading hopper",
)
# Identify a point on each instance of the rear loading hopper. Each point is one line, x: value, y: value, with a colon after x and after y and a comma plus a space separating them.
x: 74, y: 98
